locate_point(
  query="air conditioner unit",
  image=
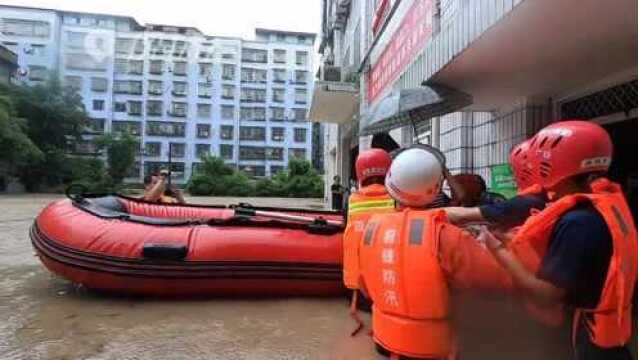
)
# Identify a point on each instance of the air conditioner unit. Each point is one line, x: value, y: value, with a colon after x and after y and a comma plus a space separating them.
x: 331, y: 73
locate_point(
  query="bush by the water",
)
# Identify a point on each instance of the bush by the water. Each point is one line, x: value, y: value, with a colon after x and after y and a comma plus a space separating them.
x: 215, y: 178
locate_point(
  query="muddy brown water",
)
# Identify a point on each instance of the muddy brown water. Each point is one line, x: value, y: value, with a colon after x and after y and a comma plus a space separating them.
x: 45, y: 317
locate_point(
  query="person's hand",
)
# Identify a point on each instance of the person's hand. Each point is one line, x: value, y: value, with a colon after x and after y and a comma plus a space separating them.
x: 491, y: 241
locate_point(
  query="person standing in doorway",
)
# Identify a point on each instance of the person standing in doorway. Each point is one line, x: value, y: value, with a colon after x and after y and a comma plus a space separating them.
x: 337, y: 190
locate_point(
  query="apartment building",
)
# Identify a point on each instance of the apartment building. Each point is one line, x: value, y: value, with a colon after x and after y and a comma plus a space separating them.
x: 523, y: 63
x: 175, y: 88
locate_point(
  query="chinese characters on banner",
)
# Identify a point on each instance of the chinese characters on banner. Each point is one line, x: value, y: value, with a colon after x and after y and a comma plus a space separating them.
x: 402, y: 49
x: 389, y: 274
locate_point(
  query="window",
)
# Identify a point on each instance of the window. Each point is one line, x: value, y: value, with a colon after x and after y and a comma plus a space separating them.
x: 228, y: 56
x: 156, y: 47
x: 301, y: 58
x: 130, y: 127
x: 253, y: 95
x: 134, y: 170
x: 85, y: 147
x: 206, y: 52
x: 74, y: 82
x: 254, y: 75
x: 275, y: 169
x: 252, y: 153
x: 119, y: 106
x: 203, y: 131
x: 129, y: 46
x: 277, y: 113
x: 226, y: 132
x: 254, y: 55
x: 300, y: 114
x: 252, y: 133
x: 276, y: 154
x: 163, y: 128
x: 120, y: 66
x: 153, y: 149
x: 301, y: 76
x: 205, y: 69
x: 297, y: 153
x: 127, y: 87
x: 228, y: 112
x: 30, y: 28
x: 180, y: 88
x: 252, y: 170
x: 94, y: 126
x: 204, y: 110
x: 201, y: 150
x: 179, y: 109
x: 301, y: 96
x: 154, y: 108
x: 135, y: 108
x: 228, y: 92
x: 84, y: 62
x: 278, y: 134
x: 178, y: 150
x: 279, y: 75
x: 136, y: 67
x: 205, y: 90
x: 99, y: 84
x: 279, y: 56
x: 75, y: 40
x: 37, y: 73
x: 300, y: 135
x: 301, y: 39
x: 181, y: 49
x: 253, y: 114
x: 156, y: 67
x: 179, y: 68
x: 155, y: 87
x: 36, y: 50
x: 226, y: 151
x: 228, y: 72
x: 281, y: 37
x: 279, y: 95
x: 98, y: 105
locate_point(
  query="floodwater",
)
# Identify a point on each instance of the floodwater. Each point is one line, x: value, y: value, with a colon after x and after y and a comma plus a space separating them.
x: 44, y: 317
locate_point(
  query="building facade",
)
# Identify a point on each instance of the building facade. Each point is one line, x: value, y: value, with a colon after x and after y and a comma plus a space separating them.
x: 525, y: 63
x: 176, y: 89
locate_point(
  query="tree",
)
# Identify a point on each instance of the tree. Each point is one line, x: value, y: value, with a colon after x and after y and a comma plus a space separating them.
x: 120, y: 154
x: 53, y: 119
x: 16, y: 148
x: 300, y: 180
x: 214, y: 177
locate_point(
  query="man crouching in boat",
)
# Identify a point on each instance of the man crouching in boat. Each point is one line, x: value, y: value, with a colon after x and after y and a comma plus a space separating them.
x: 371, y: 198
x: 405, y: 269
x: 157, y: 190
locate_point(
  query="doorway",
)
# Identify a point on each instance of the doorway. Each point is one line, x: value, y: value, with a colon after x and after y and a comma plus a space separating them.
x: 624, y: 167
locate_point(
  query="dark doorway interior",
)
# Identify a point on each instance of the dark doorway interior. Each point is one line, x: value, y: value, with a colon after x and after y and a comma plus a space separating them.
x: 624, y: 168
x: 354, y: 153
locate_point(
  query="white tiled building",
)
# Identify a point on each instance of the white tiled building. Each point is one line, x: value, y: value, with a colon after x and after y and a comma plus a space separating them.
x: 175, y: 87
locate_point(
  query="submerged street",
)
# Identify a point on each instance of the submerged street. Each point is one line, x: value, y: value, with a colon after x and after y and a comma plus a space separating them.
x: 44, y: 317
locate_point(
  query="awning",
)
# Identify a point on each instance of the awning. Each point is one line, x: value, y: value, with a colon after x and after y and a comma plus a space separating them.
x: 411, y: 106
x: 334, y: 102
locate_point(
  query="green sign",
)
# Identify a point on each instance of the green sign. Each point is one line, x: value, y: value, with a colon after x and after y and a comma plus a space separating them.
x: 503, y: 180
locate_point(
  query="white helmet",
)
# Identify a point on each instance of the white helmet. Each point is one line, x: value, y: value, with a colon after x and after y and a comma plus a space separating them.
x: 415, y: 177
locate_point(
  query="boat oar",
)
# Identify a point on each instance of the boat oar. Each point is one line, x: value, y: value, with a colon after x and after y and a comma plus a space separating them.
x: 283, y: 216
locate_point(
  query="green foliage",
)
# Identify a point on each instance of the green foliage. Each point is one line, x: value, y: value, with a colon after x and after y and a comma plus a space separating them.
x: 16, y: 148
x: 120, y: 153
x: 216, y: 178
x: 91, y: 173
x: 300, y: 180
x: 38, y: 124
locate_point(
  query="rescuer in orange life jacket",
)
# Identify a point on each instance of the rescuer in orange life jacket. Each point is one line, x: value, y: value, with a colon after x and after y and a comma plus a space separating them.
x: 411, y: 257
x: 582, y: 250
x: 371, y: 198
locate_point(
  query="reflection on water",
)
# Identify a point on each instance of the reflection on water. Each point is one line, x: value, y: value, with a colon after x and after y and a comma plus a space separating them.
x: 43, y: 317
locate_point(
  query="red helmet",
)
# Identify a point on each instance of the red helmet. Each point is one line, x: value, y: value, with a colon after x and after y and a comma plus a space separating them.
x: 569, y: 148
x: 522, y: 166
x: 371, y: 163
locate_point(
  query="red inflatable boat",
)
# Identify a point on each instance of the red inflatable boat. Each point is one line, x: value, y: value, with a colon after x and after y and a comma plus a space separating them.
x: 128, y: 246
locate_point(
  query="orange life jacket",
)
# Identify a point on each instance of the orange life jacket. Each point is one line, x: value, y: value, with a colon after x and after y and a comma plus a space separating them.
x: 609, y: 324
x: 401, y: 270
x: 369, y: 200
x: 532, y: 190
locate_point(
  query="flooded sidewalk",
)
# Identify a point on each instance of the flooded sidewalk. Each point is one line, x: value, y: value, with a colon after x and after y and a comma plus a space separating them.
x: 45, y: 317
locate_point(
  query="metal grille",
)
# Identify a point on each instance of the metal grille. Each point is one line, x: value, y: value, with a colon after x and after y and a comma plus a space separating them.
x: 620, y: 98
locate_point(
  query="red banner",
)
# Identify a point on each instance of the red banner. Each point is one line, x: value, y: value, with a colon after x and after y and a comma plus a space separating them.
x: 402, y: 49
